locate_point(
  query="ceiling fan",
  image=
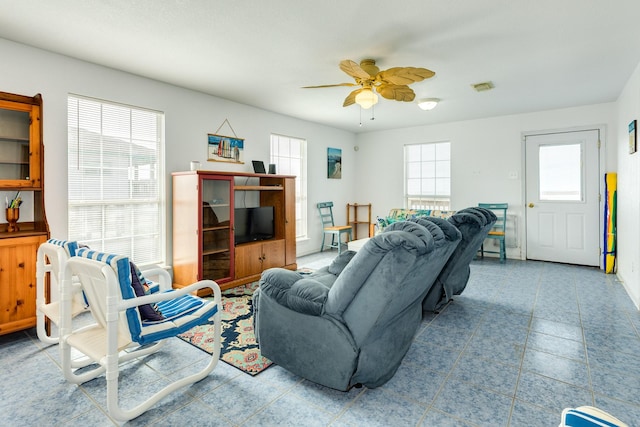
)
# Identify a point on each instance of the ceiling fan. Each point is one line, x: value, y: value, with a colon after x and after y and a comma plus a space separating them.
x: 390, y: 84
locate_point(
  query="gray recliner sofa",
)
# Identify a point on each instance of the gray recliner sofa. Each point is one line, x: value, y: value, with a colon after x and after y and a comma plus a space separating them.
x: 353, y: 322
x: 474, y: 224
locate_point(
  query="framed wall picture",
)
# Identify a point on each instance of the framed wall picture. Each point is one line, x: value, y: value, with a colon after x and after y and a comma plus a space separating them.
x: 225, y: 149
x: 334, y: 163
x: 633, y: 138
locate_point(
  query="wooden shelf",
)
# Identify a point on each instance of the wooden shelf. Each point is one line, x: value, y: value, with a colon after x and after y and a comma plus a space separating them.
x: 215, y: 251
x: 22, y: 233
x: 258, y: 188
x: 215, y: 228
x: 355, y: 222
x: 14, y: 139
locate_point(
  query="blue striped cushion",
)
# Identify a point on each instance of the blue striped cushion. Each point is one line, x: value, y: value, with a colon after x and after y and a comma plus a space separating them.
x: 69, y: 246
x: 120, y: 265
x: 181, y: 314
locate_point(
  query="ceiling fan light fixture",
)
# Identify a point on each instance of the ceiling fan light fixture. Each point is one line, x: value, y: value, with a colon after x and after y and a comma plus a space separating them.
x: 366, y: 99
x: 428, y: 103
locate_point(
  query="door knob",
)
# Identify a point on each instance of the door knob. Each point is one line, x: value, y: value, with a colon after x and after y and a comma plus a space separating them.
x: 530, y: 205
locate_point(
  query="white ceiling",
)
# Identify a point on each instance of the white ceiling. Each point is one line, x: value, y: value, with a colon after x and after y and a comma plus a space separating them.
x: 540, y: 55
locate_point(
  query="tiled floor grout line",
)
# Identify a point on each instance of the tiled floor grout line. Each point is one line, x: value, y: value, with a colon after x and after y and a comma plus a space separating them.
x: 444, y: 382
x: 584, y: 342
x: 524, y: 350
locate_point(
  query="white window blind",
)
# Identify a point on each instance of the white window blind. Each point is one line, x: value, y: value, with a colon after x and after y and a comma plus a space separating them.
x: 428, y: 176
x: 116, y: 202
x: 289, y: 154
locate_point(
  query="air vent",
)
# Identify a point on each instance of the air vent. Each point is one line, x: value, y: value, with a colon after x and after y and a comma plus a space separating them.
x: 481, y: 87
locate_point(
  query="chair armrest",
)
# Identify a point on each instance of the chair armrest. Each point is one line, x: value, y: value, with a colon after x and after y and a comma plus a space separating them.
x: 162, y: 276
x: 291, y: 290
x: 172, y: 294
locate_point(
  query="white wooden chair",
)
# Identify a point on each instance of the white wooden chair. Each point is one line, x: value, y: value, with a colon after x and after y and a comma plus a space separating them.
x: 51, y: 260
x: 106, y: 281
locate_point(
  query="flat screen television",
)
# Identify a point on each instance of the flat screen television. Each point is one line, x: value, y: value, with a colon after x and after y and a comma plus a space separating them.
x: 253, y: 224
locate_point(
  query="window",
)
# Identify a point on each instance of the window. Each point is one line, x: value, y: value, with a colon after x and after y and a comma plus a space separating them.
x: 290, y: 157
x: 560, y: 172
x: 427, y: 170
x: 115, y: 175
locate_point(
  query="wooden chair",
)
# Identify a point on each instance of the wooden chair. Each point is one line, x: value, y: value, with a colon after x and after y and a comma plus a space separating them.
x: 120, y: 333
x: 335, y: 231
x: 499, y: 228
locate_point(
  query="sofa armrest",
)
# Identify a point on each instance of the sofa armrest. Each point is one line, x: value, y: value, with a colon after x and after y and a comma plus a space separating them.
x: 291, y: 290
x: 307, y: 296
x: 276, y: 281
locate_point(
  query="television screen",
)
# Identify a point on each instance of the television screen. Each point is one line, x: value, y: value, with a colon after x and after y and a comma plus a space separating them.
x: 253, y: 224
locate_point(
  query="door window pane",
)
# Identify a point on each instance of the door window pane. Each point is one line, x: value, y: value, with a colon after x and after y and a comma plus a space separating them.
x: 560, y: 172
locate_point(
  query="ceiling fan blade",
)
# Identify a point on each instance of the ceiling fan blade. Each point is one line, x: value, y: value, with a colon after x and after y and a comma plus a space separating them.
x: 354, y: 70
x: 404, y: 75
x: 396, y: 92
x: 336, y: 85
x: 351, y: 98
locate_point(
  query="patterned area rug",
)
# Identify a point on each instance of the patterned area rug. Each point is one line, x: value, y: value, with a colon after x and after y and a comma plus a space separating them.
x: 239, y: 347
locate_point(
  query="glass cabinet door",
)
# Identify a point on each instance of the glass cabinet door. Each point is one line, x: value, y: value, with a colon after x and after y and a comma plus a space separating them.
x: 19, y: 144
x: 216, y: 229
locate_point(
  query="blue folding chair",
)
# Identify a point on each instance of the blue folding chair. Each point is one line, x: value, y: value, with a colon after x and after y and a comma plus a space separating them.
x: 329, y: 228
x: 499, y: 228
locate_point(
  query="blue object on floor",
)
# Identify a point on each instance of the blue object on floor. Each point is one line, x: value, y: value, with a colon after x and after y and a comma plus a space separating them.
x: 588, y: 416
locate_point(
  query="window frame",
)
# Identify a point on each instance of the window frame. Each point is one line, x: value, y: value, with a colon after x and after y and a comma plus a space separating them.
x: 144, y: 247
x: 422, y: 200
x: 281, y: 160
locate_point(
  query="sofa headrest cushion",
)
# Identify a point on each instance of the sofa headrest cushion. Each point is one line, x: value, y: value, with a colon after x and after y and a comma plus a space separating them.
x: 451, y: 233
x: 413, y: 237
x: 340, y: 262
x: 428, y: 236
x: 466, y: 218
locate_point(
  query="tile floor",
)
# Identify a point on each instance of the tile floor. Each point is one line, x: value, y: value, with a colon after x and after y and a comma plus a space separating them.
x: 524, y: 340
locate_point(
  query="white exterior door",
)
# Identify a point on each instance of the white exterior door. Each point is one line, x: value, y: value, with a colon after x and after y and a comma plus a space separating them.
x: 562, y: 197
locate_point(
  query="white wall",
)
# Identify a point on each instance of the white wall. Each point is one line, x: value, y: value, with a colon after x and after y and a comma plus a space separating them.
x: 484, y: 153
x: 628, y: 226
x: 189, y: 117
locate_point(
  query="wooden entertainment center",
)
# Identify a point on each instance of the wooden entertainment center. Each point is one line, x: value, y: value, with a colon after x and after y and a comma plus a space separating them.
x: 204, y: 247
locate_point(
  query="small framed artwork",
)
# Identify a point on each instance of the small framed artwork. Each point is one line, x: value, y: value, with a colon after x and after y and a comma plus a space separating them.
x: 225, y: 149
x: 334, y: 163
x: 633, y: 138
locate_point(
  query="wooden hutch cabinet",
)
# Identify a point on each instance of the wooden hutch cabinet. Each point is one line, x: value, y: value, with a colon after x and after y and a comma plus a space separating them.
x: 204, y: 223
x: 21, y: 170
